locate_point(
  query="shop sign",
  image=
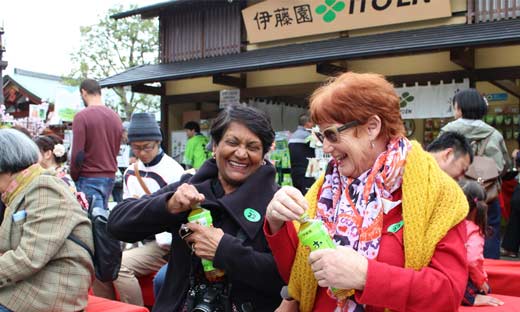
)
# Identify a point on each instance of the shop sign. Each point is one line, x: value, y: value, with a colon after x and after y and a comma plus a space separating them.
x: 432, y: 101
x: 229, y: 97
x: 38, y: 112
x: 282, y: 19
x: 495, y: 97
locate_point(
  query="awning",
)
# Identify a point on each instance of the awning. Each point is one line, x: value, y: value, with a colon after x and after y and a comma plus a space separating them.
x: 385, y: 44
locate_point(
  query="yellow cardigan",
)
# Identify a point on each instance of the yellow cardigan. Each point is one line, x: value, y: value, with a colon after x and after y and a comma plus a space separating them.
x: 432, y: 204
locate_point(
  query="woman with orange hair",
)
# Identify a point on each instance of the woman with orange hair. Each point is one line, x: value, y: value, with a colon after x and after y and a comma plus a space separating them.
x: 395, y: 218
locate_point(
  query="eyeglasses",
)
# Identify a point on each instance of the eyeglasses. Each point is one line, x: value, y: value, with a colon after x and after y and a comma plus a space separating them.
x: 146, y: 148
x: 332, y: 133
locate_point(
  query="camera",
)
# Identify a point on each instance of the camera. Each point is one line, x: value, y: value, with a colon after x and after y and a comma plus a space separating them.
x: 208, y: 298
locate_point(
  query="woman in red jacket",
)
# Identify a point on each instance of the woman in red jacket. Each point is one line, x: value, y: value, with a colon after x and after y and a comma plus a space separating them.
x: 394, y: 216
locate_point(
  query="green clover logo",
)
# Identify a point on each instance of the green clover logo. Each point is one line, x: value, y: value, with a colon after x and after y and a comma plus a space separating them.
x: 404, y: 99
x: 330, y: 8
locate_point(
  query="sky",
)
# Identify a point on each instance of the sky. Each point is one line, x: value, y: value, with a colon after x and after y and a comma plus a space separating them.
x: 40, y: 35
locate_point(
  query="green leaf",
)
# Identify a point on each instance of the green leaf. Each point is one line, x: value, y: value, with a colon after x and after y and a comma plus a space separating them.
x: 410, y: 98
x: 330, y: 2
x: 329, y: 16
x: 339, y: 6
x: 405, y: 95
x: 321, y: 9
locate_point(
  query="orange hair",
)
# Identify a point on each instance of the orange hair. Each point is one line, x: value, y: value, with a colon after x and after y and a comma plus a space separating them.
x: 352, y: 96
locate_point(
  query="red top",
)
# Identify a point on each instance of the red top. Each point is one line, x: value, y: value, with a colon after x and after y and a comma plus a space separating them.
x: 96, y: 140
x: 438, y: 287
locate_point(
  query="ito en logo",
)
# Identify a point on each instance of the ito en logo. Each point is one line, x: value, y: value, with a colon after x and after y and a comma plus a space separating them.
x: 405, y: 98
x: 329, y: 9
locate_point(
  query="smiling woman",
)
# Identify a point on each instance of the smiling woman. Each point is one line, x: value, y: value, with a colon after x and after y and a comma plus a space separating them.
x: 376, y: 185
x: 235, y: 187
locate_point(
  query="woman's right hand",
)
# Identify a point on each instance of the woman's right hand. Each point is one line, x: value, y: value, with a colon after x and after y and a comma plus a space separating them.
x: 287, y: 204
x: 184, y: 198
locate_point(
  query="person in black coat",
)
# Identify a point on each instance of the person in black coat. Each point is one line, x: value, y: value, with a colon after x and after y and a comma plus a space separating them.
x: 236, y: 187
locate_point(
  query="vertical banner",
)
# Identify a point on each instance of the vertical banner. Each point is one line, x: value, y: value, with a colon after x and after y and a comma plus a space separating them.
x: 432, y: 101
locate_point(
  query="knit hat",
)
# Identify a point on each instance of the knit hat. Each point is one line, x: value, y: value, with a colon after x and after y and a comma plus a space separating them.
x: 143, y: 127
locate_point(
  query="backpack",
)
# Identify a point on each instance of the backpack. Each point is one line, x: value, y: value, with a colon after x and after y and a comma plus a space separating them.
x: 484, y: 170
x: 107, y: 250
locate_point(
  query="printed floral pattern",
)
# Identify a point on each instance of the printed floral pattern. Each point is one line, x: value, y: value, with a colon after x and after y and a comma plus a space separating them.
x: 352, y: 208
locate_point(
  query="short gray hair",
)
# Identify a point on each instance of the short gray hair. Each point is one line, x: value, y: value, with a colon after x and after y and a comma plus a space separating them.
x: 17, y: 151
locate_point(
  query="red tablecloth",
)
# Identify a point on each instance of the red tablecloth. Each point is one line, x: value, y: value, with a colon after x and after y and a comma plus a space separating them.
x: 504, y: 276
x: 511, y: 304
x: 97, y: 304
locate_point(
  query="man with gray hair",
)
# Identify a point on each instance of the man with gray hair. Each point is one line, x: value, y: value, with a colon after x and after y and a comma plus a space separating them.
x: 300, y: 151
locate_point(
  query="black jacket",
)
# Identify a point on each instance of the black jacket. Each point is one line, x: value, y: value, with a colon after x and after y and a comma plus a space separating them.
x: 248, y: 263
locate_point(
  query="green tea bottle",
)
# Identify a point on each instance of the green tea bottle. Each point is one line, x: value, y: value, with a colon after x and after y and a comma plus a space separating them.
x: 203, y: 217
x: 314, y: 234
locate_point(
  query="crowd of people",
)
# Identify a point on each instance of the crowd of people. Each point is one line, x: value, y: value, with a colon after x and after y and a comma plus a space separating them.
x: 393, y: 210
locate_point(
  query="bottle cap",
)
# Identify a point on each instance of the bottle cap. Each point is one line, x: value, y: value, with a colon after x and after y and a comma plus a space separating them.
x: 304, y: 217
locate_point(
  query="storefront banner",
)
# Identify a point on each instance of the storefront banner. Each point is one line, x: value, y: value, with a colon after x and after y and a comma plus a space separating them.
x: 432, y: 101
x: 67, y: 104
x: 282, y: 19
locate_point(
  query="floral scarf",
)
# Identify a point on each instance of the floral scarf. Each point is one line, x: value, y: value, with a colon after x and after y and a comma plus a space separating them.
x: 352, y: 208
x: 20, y: 182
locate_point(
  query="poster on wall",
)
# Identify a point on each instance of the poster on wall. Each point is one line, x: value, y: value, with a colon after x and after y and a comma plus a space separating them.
x: 431, y: 101
x: 38, y: 112
x: 67, y: 104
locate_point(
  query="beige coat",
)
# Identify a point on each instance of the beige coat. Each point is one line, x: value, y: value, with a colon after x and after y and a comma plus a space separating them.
x: 40, y: 269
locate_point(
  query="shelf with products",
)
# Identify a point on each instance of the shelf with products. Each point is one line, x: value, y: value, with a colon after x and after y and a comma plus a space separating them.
x: 432, y: 128
x: 506, y: 123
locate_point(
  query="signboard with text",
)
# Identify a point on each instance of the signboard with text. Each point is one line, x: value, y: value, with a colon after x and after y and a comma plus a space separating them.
x: 229, y: 97
x: 282, y: 19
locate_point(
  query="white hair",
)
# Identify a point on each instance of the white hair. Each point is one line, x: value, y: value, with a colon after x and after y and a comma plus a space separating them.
x: 17, y: 151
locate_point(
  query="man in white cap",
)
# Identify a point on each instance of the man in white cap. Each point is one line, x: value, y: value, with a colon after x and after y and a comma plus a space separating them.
x: 152, y: 171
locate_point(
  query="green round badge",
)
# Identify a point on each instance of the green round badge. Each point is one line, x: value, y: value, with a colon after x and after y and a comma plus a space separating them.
x: 252, y: 215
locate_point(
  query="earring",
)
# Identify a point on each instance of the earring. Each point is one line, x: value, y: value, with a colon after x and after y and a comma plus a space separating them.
x: 372, y: 144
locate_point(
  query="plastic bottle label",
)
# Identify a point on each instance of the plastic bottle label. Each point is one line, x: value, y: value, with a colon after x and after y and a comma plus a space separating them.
x: 315, y: 236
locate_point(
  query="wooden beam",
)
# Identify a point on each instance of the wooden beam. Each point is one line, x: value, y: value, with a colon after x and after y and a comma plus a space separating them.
x: 142, y: 88
x: 306, y: 89
x: 211, y: 96
x: 329, y: 69
x: 165, y: 118
x: 237, y: 82
x: 507, y: 85
x: 464, y: 57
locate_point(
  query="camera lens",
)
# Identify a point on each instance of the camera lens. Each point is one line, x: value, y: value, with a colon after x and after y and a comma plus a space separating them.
x: 202, y: 308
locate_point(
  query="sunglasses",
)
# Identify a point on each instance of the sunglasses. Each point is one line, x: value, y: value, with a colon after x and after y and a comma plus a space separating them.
x: 332, y: 133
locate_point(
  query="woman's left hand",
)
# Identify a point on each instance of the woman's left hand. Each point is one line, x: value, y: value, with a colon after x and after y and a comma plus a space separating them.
x: 204, y: 240
x: 341, y: 268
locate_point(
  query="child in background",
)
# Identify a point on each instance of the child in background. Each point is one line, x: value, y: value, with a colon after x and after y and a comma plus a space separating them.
x: 477, y: 289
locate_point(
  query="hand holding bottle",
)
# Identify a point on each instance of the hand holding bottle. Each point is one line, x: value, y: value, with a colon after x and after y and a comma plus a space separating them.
x: 288, y: 204
x: 204, y: 240
x: 184, y: 198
